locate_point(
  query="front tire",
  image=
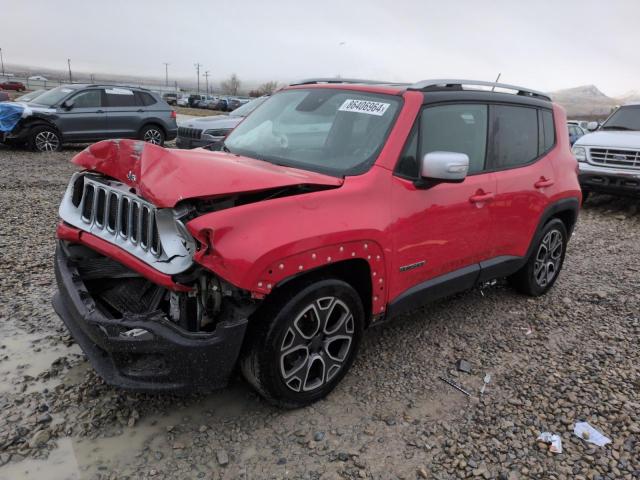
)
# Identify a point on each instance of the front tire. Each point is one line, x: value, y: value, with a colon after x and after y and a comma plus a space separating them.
x: 152, y: 134
x: 45, y: 139
x: 543, y: 267
x: 303, y: 343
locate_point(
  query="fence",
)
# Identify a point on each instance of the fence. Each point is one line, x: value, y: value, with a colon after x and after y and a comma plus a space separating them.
x: 34, y: 84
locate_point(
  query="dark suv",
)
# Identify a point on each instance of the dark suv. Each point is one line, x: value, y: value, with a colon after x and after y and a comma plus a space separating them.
x: 87, y: 113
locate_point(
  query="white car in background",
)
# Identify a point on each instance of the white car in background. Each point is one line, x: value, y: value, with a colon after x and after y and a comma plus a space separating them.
x: 609, y: 157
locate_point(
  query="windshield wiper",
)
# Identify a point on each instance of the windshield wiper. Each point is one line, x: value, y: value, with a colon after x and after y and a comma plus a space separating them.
x: 616, y: 127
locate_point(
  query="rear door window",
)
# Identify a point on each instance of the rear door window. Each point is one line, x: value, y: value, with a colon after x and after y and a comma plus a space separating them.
x: 513, y: 136
x: 121, y: 97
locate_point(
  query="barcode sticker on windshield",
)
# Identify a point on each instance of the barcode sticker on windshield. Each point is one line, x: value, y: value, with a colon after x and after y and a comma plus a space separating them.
x: 364, y: 106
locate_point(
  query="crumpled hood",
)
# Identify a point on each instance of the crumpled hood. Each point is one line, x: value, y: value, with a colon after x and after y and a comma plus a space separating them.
x: 166, y: 176
x: 611, y: 139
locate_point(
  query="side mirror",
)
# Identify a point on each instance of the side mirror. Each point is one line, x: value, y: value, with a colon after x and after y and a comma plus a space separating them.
x: 443, y: 167
x: 591, y: 126
x: 67, y: 104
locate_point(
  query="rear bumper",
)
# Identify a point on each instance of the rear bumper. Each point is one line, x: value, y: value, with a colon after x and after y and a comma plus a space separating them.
x: 172, y: 133
x: 166, y: 358
x: 615, y: 181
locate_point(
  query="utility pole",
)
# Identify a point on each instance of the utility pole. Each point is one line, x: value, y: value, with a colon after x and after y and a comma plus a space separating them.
x: 206, y: 76
x: 166, y: 74
x: 198, y: 65
x: 2, y: 62
x: 69, y: 65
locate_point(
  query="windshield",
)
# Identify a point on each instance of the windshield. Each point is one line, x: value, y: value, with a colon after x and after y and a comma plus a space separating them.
x: 248, y: 107
x: 27, y: 97
x: 338, y: 132
x: 53, y: 96
x: 625, y: 118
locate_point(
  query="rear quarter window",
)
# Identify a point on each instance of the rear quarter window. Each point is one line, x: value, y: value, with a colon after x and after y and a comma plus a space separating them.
x: 549, y: 130
x: 146, y: 99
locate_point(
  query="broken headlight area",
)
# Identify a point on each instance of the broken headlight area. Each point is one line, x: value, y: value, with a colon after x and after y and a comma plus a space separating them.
x: 119, y: 292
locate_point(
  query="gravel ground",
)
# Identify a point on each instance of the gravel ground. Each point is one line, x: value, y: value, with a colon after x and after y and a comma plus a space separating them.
x: 570, y: 356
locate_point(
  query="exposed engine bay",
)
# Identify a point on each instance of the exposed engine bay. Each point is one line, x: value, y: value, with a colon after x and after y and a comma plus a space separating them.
x: 119, y: 292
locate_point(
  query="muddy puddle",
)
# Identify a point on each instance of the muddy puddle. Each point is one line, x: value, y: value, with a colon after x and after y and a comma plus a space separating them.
x: 29, y: 355
x: 80, y: 458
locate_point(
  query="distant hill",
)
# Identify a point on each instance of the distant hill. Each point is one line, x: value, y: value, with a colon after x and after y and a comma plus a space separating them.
x: 632, y: 96
x: 585, y: 101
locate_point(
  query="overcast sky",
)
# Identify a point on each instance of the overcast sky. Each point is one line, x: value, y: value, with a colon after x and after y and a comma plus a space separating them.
x: 544, y: 45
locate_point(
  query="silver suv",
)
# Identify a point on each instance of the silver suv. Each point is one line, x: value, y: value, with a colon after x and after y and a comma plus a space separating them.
x: 609, y: 158
x: 88, y: 113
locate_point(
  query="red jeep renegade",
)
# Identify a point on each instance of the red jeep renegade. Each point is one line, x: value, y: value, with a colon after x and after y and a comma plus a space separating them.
x: 336, y: 205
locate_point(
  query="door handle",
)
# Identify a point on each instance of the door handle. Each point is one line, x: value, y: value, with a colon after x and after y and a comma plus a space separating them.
x: 543, y: 182
x: 99, y: 111
x: 481, y: 196
x: 140, y: 110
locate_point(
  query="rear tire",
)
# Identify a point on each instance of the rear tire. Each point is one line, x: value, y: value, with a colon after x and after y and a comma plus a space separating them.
x: 543, y: 267
x: 152, y: 134
x: 301, y: 344
x: 45, y: 139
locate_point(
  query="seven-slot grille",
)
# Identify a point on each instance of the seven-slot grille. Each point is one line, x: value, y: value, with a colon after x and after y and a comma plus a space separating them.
x: 615, y: 157
x: 120, y: 214
x: 186, y: 132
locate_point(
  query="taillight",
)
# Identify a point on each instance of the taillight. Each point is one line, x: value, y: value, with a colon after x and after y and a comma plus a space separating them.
x: 173, y: 114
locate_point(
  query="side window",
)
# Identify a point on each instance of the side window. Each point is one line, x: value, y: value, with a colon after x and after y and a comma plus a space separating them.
x: 121, y: 97
x: 549, y: 130
x: 88, y: 99
x: 455, y: 128
x: 513, y: 136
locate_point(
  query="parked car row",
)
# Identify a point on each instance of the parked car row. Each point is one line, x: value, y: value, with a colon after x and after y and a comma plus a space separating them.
x: 88, y: 113
x: 214, y: 102
x: 210, y: 132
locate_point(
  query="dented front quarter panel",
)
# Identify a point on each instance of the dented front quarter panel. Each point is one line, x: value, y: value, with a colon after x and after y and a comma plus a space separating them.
x: 257, y: 246
x: 166, y: 176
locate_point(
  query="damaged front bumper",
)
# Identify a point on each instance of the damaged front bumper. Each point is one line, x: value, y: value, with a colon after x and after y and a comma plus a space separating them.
x: 144, y: 352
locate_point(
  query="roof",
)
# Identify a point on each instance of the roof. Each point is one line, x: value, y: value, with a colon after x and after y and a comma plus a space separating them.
x: 87, y: 85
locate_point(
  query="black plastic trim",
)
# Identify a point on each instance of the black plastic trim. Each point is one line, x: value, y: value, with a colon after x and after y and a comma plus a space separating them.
x: 434, y: 289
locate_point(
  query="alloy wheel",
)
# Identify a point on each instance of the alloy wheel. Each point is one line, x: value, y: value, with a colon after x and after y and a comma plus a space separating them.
x: 153, y: 136
x: 547, y: 263
x: 316, y: 345
x: 47, y: 141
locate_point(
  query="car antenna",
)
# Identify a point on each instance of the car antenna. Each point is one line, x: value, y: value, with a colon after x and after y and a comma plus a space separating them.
x: 493, y: 89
